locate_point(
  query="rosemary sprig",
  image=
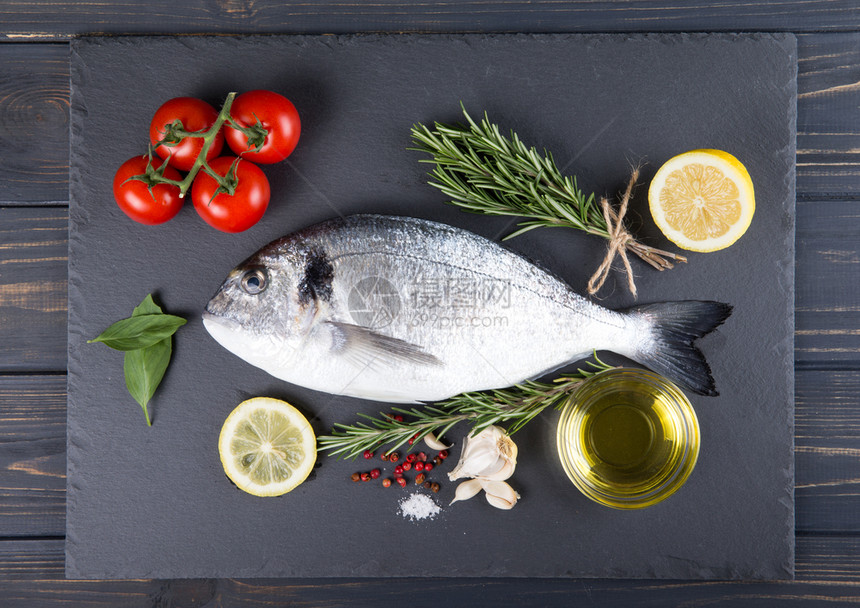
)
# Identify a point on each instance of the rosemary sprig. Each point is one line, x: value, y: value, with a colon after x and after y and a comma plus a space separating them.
x: 483, y: 171
x: 515, y: 406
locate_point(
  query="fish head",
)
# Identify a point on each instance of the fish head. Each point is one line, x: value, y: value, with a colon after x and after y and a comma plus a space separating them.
x: 265, y: 308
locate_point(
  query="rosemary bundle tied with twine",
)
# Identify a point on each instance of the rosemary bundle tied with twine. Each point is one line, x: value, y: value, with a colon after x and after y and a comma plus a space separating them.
x: 482, y: 171
x: 514, y: 406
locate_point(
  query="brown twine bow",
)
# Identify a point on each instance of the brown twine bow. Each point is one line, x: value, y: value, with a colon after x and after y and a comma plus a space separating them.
x: 619, y: 240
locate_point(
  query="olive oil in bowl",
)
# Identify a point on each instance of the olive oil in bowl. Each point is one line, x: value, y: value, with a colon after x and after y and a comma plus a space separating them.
x: 628, y: 438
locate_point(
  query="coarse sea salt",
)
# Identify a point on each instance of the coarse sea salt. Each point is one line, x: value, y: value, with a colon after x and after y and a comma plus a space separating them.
x: 419, y: 506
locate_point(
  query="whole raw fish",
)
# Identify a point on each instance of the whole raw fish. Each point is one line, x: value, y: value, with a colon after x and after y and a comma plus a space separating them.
x: 401, y: 309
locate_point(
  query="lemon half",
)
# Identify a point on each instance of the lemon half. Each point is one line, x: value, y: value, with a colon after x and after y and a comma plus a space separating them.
x: 702, y: 200
x: 267, y: 446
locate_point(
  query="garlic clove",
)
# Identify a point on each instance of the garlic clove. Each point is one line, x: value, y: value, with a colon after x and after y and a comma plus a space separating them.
x: 500, y: 503
x: 504, y: 473
x: 499, y: 493
x: 499, y: 488
x: 466, y: 490
x: 433, y: 443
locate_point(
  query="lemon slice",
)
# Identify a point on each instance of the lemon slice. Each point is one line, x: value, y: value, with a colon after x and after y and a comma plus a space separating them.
x: 702, y: 200
x: 267, y: 446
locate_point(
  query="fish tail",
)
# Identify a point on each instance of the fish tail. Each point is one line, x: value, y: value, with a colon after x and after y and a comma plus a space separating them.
x: 674, y: 328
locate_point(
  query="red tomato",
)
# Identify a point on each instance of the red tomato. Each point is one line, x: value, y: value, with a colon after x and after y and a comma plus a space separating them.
x: 236, y: 212
x: 276, y: 114
x: 195, y: 115
x: 135, y: 198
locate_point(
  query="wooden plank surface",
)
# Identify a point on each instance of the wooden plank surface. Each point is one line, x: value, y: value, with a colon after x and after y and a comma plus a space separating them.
x: 33, y: 288
x: 58, y: 19
x: 34, y: 101
x: 34, y: 123
x: 827, y: 452
x: 827, y: 283
x: 32, y: 456
x: 828, y: 132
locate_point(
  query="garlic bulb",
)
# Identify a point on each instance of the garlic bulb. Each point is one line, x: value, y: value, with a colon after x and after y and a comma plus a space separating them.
x: 491, y: 454
x: 488, y: 458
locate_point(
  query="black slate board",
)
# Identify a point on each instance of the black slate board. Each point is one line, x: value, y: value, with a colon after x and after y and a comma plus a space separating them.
x: 154, y: 502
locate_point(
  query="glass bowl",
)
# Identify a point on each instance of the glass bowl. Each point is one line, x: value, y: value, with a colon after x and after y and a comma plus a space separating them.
x: 628, y: 438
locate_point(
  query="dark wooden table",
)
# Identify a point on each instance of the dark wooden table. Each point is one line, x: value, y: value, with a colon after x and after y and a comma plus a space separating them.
x: 34, y: 111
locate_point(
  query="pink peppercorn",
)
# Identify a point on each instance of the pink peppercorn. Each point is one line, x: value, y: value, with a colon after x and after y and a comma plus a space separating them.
x: 401, y: 482
x: 419, y: 466
x: 428, y: 466
x: 375, y: 473
x: 386, y: 483
x: 406, y: 466
x: 368, y: 454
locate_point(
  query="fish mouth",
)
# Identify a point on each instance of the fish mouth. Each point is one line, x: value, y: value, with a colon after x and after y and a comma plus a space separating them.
x: 216, y: 319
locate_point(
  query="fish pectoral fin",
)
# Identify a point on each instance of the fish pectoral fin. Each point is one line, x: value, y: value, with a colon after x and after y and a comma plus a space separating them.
x: 368, y: 347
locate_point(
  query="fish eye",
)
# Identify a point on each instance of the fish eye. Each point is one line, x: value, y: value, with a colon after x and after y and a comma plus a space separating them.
x: 254, y: 281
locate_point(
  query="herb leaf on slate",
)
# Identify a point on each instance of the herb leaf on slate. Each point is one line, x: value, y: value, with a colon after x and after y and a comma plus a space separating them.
x: 145, y: 365
x: 139, y: 331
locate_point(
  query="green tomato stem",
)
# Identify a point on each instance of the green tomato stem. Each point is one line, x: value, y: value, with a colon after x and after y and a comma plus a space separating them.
x: 225, y: 183
x: 255, y: 134
x: 208, y: 138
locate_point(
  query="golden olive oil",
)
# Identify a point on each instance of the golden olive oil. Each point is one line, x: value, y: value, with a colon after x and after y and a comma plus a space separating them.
x: 628, y: 438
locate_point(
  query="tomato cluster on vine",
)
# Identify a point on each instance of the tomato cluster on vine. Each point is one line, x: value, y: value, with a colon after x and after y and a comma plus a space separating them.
x: 187, y: 135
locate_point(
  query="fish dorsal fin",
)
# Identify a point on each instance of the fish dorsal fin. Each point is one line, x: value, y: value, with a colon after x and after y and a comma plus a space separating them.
x: 368, y: 347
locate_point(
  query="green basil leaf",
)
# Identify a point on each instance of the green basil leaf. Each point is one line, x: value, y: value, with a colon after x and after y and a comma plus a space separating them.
x: 146, y: 339
x: 147, y: 307
x: 144, y: 368
x: 139, y: 331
